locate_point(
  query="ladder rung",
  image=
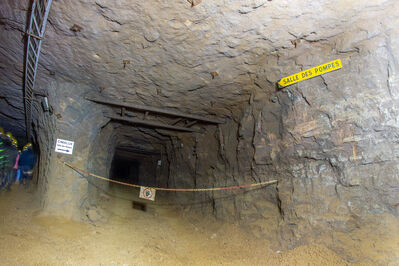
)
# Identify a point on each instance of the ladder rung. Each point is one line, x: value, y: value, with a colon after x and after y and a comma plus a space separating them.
x: 31, y: 83
x: 29, y: 71
x: 32, y: 65
x: 32, y: 80
x: 34, y: 31
x: 28, y: 84
x: 39, y: 18
x: 36, y: 25
x: 33, y: 50
x: 34, y: 40
x: 31, y: 57
x: 41, y: 9
x: 29, y: 65
x: 28, y: 81
x: 31, y: 75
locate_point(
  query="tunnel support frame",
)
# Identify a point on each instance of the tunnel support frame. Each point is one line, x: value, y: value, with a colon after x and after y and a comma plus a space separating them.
x: 155, y: 110
x: 151, y: 123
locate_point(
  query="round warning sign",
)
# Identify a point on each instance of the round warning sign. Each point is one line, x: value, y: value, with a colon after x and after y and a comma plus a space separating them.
x: 147, y: 193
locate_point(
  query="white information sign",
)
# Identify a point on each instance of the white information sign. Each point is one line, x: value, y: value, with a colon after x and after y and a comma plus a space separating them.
x: 64, y: 146
x: 147, y: 193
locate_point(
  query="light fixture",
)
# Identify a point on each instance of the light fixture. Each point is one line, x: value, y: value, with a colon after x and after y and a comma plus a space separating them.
x: 45, y: 105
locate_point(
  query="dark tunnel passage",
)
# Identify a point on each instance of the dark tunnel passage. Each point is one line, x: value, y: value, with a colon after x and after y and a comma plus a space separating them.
x: 125, y: 169
x: 134, y: 166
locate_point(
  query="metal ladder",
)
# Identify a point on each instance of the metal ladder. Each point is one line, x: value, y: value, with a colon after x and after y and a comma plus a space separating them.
x: 35, y: 33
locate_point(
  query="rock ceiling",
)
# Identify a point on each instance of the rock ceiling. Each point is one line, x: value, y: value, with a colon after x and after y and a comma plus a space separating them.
x: 207, y: 58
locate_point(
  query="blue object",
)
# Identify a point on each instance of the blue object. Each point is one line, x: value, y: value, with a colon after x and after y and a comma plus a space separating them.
x: 27, y: 161
x: 18, y: 175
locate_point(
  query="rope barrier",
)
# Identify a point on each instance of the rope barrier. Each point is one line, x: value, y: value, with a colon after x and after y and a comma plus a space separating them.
x: 172, y: 189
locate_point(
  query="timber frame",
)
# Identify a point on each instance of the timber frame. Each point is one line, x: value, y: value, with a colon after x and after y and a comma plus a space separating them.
x: 188, y: 120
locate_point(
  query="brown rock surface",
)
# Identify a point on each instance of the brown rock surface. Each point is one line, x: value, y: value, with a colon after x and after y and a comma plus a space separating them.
x: 330, y: 141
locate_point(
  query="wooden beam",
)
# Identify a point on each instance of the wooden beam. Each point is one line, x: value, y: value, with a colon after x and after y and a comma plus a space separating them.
x: 123, y: 111
x: 129, y: 114
x: 151, y: 123
x: 191, y: 123
x: 134, y: 155
x: 34, y: 36
x: 177, y: 120
x: 155, y: 110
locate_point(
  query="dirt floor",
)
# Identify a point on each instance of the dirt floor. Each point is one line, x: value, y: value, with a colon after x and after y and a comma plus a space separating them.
x: 157, y: 237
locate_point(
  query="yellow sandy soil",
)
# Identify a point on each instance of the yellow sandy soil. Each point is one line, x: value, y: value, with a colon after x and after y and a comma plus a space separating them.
x: 133, y: 237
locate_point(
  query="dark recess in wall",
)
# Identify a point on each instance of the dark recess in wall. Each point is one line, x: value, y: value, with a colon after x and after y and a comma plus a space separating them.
x: 125, y: 170
x: 134, y: 166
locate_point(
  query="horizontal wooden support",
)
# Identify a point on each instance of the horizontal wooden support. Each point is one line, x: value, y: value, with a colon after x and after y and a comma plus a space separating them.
x: 151, y: 123
x: 191, y: 123
x: 34, y: 36
x: 177, y: 120
x: 134, y: 155
x: 155, y: 110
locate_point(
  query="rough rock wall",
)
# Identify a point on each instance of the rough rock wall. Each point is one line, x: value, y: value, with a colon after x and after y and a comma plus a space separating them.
x: 12, y: 26
x: 65, y: 191
x: 332, y: 140
x: 216, y: 159
x: 99, y: 160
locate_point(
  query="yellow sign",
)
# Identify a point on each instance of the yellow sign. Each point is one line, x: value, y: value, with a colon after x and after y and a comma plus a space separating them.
x: 310, y: 73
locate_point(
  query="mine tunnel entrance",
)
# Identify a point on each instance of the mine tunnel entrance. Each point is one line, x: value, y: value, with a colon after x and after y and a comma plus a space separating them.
x: 138, y: 162
x: 135, y: 166
x: 125, y: 169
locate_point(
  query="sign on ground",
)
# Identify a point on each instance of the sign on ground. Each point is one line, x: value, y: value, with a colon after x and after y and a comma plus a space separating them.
x: 310, y: 73
x: 147, y: 193
x: 64, y: 146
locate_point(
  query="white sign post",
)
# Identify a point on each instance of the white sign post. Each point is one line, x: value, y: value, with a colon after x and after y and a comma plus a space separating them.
x: 147, y: 193
x: 64, y: 146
